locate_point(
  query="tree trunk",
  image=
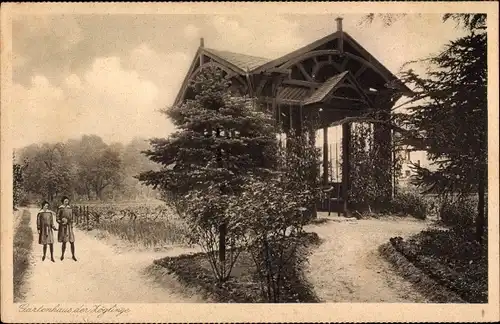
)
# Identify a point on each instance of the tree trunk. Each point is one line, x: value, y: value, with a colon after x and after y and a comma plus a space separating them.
x: 223, y: 227
x: 222, y: 243
x: 480, y: 220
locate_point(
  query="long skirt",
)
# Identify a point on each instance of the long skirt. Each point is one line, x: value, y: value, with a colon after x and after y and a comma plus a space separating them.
x: 46, y: 236
x: 65, y: 233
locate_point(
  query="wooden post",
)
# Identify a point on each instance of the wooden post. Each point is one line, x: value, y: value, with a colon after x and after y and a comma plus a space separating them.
x: 276, y: 112
x: 346, y: 143
x: 87, y: 216
x: 325, y: 155
x: 314, y: 172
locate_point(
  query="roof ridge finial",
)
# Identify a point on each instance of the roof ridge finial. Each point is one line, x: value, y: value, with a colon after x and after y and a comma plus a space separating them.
x: 202, y: 42
x: 339, y: 23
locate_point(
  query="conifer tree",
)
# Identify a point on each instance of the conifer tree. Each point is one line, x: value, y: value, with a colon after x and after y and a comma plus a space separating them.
x: 450, y: 116
x: 221, y: 138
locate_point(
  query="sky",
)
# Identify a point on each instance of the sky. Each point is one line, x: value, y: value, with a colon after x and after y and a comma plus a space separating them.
x: 110, y: 75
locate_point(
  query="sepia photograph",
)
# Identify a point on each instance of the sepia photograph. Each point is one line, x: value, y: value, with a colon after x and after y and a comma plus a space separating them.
x: 251, y: 157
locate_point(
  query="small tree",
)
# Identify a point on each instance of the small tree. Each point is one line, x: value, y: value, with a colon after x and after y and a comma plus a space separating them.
x: 221, y: 138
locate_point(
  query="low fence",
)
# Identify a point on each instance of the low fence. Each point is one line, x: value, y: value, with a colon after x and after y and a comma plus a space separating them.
x: 83, y: 216
x: 150, y: 225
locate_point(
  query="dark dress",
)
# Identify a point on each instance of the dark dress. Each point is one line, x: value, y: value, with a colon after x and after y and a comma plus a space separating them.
x: 45, y: 226
x: 65, y: 233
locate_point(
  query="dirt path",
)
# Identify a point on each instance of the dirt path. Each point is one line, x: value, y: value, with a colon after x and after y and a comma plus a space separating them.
x: 102, y: 274
x: 348, y: 268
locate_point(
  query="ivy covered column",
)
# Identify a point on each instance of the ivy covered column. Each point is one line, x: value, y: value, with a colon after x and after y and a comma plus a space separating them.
x: 382, y: 146
x: 346, y: 164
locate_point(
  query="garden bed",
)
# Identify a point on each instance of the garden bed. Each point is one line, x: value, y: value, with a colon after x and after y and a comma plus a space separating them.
x: 451, y: 258
x: 194, y: 270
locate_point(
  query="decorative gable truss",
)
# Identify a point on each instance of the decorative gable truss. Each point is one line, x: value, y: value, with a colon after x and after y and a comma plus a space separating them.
x: 301, y: 72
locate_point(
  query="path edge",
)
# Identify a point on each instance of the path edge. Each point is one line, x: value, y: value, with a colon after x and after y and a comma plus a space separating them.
x: 424, y: 284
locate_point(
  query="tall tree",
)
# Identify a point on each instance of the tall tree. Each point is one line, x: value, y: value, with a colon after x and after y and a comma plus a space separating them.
x: 47, y: 172
x: 134, y: 162
x: 449, y: 114
x: 221, y: 138
x: 105, y: 172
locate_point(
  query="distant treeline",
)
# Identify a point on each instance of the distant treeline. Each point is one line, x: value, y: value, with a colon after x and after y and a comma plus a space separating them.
x: 84, y: 169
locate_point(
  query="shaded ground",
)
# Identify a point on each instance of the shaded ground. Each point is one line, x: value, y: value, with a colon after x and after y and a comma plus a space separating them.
x: 347, y: 267
x: 103, y: 274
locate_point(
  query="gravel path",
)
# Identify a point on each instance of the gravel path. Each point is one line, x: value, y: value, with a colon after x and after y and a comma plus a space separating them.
x: 102, y: 274
x: 346, y: 267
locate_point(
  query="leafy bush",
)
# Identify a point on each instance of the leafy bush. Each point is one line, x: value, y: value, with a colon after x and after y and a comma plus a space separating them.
x: 459, y: 212
x: 274, y: 223
x: 272, y: 213
x: 207, y: 218
x: 408, y: 202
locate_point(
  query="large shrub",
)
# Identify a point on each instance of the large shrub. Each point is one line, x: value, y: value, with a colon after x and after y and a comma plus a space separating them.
x: 272, y: 213
x: 459, y: 212
x: 410, y: 202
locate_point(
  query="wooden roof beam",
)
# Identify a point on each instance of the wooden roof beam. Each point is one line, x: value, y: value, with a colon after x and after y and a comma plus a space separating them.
x: 304, y: 72
x: 308, y: 84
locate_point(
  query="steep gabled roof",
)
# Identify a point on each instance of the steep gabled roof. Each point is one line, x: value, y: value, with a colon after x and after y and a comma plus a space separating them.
x: 237, y: 62
x: 242, y: 61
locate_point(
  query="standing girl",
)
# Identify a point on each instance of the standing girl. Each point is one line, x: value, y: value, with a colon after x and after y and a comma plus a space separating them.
x: 45, y: 227
x: 65, y: 220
